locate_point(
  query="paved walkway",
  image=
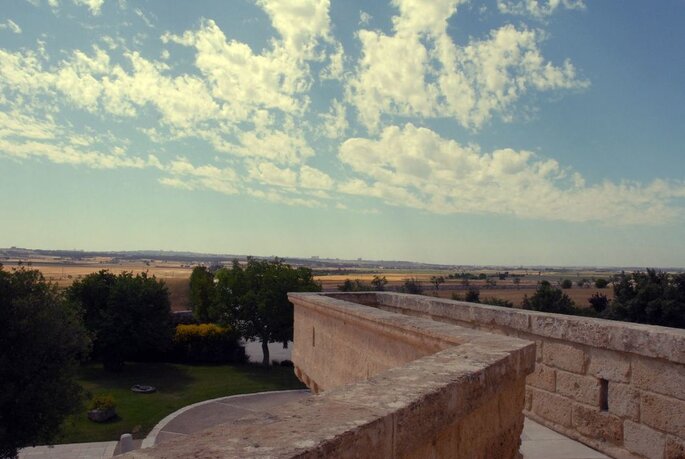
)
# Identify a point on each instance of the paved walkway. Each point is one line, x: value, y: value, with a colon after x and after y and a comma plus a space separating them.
x: 98, y: 450
x: 538, y: 442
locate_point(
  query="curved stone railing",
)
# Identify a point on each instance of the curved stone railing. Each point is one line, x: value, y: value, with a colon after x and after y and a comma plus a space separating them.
x: 392, y: 386
x: 615, y: 386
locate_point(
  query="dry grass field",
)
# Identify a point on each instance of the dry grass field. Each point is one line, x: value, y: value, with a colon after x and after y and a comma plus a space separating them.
x: 176, y: 276
x: 504, y: 289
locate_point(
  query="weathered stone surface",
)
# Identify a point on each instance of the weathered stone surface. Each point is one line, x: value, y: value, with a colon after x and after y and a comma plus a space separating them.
x: 543, y: 377
x: 528, y: 402
x: 675, y: 448
x: 664, y: 413
x: 624, y: 401
x: 658, y: 376
x: 552, y: 407
x: 609, y: 365
x: 597, y: 424
x: 564, y: 356
x: 642, y: 440
x: 580, y: 388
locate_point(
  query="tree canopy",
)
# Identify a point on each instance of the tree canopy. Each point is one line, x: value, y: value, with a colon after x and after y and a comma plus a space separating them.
x: 254, y: 299
x: 549, y: 299
x: 651, y: 297
x: 41, y: 342
x: 128, y: 315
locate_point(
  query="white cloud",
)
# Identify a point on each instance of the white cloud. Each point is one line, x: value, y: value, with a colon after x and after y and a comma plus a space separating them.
x: 415, y: 167
x: 185, y: 175
x: 364, y: 18
x: 420, y: 71
x: 270, y: 174
x: 11, y: 26
x: 538, y: 9
x: 301, y: 23
x: 314, y: 178
x: 93, y: 5
x: 244, y: 81
x: 335, y: 121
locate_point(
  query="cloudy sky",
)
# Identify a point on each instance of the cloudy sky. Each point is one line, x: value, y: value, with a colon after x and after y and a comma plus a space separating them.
x: 454, y: 131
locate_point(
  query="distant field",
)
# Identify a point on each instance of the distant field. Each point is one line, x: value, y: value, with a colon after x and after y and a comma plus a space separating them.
x: 176, y: 276
x: 504, y: 289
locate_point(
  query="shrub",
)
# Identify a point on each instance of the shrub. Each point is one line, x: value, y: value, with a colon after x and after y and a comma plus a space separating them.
x: 473, y: 295
x: 566, y: 283
x: 102, y: 402
x: 207, y: 343
x: 412, y: 286
x: 598, y: 302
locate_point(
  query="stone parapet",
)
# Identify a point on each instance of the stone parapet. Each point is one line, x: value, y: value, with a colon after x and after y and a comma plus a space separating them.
x: 611, y: 385
x: 391, y: 386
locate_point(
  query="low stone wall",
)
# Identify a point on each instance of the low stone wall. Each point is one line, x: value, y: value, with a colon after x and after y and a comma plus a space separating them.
x: 615, y: 386
x: 392, y: 386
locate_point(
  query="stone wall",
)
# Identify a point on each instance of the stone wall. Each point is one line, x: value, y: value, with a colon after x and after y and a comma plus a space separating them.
x: 615, y: 386
x: 392, y: 386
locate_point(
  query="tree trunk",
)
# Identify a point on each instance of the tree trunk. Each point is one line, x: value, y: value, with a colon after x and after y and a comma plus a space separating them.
x: 265, y: 351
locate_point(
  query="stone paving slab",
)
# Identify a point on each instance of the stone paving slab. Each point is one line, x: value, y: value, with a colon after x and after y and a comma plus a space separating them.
x: 539, y: 442
x: 99, y: 450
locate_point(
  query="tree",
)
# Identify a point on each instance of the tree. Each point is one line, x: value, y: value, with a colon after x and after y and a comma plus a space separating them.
x: 436, y: 281
x: 412, y: 286
x: 651, y: 297
x: 379, y: 283
x: 473, y: 295
x: 566, y: 284
x: 601, y: 283
x: 202, y: 298
x: 41, y: 342
x: 549, y: 299
x: 130, y: 316
x: 517, y: 282
x: 254, y: 299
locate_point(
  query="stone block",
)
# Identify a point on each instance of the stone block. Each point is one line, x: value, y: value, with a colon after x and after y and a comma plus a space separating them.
x: 675, y: 448
x: 564, y: 356
x: 552, y: 407
x: 597, y: 424
x: 543, y: 377
x: 609, y: 365
x: 624, y: 401
x: 581, y: 388
x: 640, y: 439
x: 659, y: 376
x: 663, y: 413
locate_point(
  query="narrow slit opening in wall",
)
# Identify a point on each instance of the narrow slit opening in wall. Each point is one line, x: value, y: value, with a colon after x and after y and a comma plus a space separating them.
x: 313, y: 337
x: 603, y: 395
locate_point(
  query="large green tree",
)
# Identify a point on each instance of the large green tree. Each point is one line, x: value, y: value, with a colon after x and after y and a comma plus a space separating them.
x: 254, y: 299
x: 202, y: 294
x: 41, y: 342
x: 129, y: 315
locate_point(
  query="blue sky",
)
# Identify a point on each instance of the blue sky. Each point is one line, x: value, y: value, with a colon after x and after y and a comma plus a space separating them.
x: 451, y: 131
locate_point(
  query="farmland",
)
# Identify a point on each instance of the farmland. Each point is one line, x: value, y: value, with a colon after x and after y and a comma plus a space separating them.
x: 175, y: 273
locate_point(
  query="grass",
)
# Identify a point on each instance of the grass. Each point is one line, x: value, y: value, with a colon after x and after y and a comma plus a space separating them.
x: 177, y: 386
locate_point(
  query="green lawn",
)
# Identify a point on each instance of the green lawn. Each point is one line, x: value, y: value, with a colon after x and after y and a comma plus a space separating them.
x: 177, y: 386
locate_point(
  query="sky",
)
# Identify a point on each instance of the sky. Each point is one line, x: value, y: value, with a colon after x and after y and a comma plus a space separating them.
x: 510, y: 132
